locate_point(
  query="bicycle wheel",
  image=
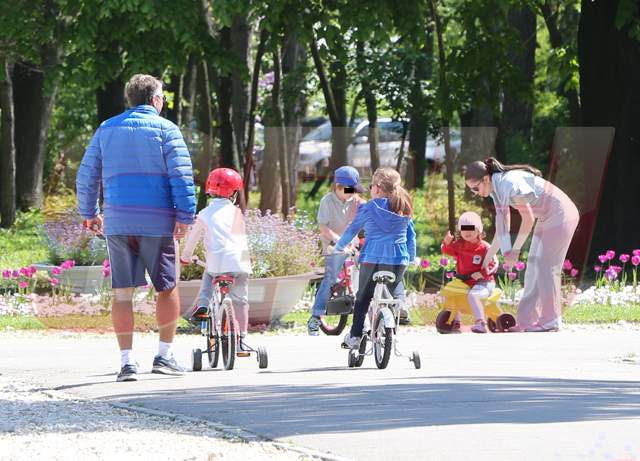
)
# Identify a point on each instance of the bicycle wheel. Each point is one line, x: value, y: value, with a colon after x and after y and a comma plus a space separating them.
x: 383, y: 341
x: 228, y: 336
x: 333, y: 325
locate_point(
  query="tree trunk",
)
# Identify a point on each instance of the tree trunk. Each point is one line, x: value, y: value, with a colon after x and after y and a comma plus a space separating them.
x: 224, y: 93
x: 517, y: 106
x: 7, y: 148
x: 110, y: 99
x: 295, y: 104
x: 175, y: 87
x: 283, y: 159
x: 255, y: 78
x: 418, y: 114
x: 189, y: 92
x: 34, y: 95
x: 371, y: 105
x: 443, y: 95
x: 609, y: 60
x: 206, y: 161
x: 240, y: 33
x: 557, y: 41
x: 270, y: 191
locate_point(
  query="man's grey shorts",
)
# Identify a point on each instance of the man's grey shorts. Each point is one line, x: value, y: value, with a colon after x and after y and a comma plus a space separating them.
x: 131, y: 255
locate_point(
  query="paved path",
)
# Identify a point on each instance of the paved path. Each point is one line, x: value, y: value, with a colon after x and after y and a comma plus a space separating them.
x: 573, y: 395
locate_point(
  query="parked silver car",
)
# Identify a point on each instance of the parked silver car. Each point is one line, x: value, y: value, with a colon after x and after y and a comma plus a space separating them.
x: 315, y: 147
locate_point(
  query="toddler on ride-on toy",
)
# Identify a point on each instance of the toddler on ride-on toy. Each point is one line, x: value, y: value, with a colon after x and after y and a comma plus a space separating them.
x: 473, y: 284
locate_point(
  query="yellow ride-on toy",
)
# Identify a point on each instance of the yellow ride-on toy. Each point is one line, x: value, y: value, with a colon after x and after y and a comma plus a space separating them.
x: 456, y: 301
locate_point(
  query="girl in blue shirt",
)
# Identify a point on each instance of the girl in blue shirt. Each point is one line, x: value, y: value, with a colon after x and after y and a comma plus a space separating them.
x: 390, y: 242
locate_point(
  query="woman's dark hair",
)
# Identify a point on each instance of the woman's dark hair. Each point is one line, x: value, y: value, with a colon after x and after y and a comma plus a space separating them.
x: 478, y: 169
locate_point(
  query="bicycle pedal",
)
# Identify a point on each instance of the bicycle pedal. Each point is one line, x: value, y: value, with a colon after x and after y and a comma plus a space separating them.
x: 243, y: 354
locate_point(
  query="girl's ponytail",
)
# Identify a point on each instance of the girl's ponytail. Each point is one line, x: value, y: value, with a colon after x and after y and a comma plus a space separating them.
x: 388, y: 180
x: 478, y: 169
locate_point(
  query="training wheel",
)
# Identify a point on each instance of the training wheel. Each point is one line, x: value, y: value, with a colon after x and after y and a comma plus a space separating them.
x: 196, y: 359
x: 415, y: 358
x: 263, y: 358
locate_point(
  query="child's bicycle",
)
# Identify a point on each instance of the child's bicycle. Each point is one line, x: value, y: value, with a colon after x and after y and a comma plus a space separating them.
x: 384, y: 316
x: 342, y: 299
x: 220, y: 328
x: 456, y: 301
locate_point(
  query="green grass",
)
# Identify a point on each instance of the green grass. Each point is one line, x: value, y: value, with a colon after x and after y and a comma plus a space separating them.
x: 602, y: 314
x: 15, y: 322
x: 22, y: 244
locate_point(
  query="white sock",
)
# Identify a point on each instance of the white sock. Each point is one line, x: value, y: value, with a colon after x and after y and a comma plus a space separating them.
x: 164, y: 350
x: 126, y: 357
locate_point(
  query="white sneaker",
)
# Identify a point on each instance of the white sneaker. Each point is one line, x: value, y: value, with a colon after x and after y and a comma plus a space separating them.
x: 351, y: 342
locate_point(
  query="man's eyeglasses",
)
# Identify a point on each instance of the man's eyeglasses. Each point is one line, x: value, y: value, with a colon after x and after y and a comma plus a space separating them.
x: 164, y: 98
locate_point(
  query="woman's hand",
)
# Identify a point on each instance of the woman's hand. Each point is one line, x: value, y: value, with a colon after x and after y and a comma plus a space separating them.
x: 511, y: 258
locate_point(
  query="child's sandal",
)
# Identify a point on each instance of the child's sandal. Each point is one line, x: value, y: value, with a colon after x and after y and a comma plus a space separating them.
x: 479, y: 327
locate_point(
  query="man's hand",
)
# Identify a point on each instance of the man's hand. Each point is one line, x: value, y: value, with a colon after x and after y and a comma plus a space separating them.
x: 180, y: 230
x: 94, y: 225
x: 476, y: 276
x: 448, y: 238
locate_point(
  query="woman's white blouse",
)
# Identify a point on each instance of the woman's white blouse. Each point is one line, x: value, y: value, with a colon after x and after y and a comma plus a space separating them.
x: 507, y: 186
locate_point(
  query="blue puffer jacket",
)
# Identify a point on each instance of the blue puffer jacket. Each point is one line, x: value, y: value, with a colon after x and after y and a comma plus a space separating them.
x: 388, y: 237
x: 146, y: 175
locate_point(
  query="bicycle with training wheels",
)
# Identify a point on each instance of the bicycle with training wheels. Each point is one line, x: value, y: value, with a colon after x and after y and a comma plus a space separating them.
x: 342, y: 298
x: 384, y: 318
x: 221, y: 330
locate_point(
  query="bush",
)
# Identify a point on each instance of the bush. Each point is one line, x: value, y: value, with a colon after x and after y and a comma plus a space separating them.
x: 68, y: 240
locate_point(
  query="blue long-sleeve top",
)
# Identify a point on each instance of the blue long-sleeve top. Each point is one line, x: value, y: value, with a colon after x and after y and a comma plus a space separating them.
x: 145, y: 170
x: 389, y: 237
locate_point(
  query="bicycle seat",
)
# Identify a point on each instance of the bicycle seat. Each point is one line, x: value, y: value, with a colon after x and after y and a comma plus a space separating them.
x: 225, y: 279
x: 384, y: 277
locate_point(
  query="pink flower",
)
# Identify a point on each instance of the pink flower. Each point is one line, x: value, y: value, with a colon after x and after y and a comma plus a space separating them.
x: 23, y: 284
x: 425, y: 263
x: 567, y: 265
x: 105, y: 263
x: 574, y: 272
x: 56, y: 271
x: 610, y: 254
x: 444, y: 262
x: 450, y: 275
x: 611, y: 274
x: 68, y: 264
x: 512, y: 276
x: 624, y: 258
x: 6, y: 274
x: 597, y: 268
x: 106, y: 272
x: 15, y: 274
x: 54, y: 281
x: 636, y: 252
x: 506, y: 267
x: 618, y: 269
x: 635, y: 260
x: 33, y: 269
x: 603, y: 258
x: 520, y: 266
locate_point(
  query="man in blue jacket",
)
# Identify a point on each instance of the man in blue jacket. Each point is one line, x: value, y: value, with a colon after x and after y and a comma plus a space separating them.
x: 143, y: 166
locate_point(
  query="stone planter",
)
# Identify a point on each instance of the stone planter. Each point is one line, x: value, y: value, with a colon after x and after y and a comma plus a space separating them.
x: 81, y: 279
x: 269, y: 298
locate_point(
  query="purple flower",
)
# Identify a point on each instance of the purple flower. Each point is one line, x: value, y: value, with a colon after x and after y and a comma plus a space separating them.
x: 567, y: 266
x: 610, y: 254
x: 6, y: 274
x: 574, y: 272
x: 603, y: 258
x: 512, y: 276
x: 611, y: 274
x: 624, y: 258
x: 56, y: 271
x: 425, y: 263
x: 450, y: 275
x: 520, y: 266
x: 635, y: 260
x: 444, y: 262
x: 636, y: 252
x: 15, y: 274
x: 597, y: 268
